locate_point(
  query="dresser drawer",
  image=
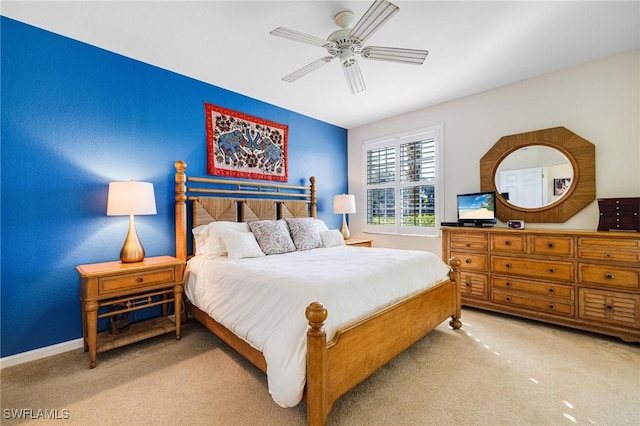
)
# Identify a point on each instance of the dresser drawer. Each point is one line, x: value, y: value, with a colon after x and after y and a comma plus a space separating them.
x: 111, y: 284
x: 606, y: 275
x: 531, y: 287
x: 474, y: 285
x: 508, y: 242
x: 540, y: 269
x: 469, y: 240
x: 558, y: 307
x: 610, y: 249
x: 471, y: 261
x: 608, y: 306
x: 553, y: 245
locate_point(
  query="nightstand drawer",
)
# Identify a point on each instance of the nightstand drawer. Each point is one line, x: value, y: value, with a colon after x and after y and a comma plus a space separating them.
x: 111, y: 284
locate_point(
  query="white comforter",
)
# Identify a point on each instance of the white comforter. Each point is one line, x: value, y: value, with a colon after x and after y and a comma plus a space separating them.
x: 263, y: 300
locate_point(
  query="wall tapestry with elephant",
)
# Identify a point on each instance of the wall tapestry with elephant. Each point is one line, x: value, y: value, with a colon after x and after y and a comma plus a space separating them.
x: 240, y: 145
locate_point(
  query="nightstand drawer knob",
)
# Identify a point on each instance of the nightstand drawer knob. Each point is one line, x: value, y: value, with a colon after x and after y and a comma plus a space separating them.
x: 508, y: 299
x: 551, y: 270
x: 551, y: 245
x: 508, y: 284
x: 607, y: 255
x: 467, y: 261
x: 552, y: 306
x: 139, y: 280
x: 609, y: 307
x: 507, y: 243
x: 609, y: 276
x: 551, y: 290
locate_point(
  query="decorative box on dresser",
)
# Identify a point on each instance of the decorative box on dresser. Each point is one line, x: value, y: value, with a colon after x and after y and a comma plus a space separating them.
x: 587, y: 280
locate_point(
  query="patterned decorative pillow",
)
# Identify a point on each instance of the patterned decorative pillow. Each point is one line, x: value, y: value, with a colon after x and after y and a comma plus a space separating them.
x: 272, y: 236
x: 304, y: 233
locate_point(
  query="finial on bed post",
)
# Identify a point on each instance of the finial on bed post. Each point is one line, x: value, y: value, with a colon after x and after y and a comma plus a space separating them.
x: 455, y: 263
x: 314, y: 202
x: 181, y: 209
x: 317, y: 397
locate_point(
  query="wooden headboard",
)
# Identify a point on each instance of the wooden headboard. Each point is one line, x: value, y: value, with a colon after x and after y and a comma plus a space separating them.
x: 212, y: 199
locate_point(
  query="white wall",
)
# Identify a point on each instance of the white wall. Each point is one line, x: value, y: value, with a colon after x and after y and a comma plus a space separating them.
x: 599, y: 101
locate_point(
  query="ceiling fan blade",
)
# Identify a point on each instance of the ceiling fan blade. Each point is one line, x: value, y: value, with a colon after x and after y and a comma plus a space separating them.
x: 301, y: 37
x: 379, y: 12
x: 307, y: 69
x: 395, y: 54
x: 352, y: 73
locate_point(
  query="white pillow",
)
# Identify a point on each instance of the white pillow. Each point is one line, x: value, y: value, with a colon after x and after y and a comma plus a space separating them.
x: 208, y: 237
x: 331, y: 238
x: 321, y: 226
x: 241, y: 244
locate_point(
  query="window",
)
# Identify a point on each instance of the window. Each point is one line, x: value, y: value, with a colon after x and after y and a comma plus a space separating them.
x: 403, y: 184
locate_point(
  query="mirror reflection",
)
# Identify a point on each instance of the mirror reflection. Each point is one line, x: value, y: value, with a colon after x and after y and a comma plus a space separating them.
x: 534, y: 176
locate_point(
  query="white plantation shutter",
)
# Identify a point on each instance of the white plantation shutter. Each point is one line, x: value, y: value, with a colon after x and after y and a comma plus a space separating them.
x: 402, y: 191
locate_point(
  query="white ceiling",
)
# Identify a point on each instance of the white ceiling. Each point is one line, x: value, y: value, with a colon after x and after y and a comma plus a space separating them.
x: 473, y: 45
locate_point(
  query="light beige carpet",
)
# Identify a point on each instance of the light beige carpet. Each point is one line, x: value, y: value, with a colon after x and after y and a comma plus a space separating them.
x: 497, y: 370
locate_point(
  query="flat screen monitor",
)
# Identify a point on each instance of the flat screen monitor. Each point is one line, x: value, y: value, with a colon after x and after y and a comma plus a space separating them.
x: 477, y: 209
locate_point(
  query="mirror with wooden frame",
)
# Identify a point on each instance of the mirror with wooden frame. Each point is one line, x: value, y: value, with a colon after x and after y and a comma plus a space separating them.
x: 544, y: 176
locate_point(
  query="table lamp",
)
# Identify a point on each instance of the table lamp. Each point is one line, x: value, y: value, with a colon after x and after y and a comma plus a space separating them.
x: 344, y: 204
x: 131, y: 198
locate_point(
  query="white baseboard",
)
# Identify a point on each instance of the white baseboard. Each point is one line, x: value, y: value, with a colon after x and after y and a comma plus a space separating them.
x: 23, y: 357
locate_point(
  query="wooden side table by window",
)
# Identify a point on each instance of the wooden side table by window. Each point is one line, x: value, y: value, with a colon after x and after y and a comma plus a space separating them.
x: 121, y: 288
x: 358, y: 242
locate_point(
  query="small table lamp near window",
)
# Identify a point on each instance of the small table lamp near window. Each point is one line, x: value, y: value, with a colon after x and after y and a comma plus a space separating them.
x: 131, y: 198
x: 345, y: 203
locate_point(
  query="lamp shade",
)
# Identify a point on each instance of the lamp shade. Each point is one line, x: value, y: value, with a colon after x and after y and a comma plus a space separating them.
x: 127, y: 198
x: 344, y: 203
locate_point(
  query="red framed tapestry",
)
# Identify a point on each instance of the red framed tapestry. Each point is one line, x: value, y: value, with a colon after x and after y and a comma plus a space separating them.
x: 240, y: 145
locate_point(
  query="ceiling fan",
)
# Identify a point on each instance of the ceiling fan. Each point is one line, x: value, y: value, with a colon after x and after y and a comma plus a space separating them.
x: 347, y: 42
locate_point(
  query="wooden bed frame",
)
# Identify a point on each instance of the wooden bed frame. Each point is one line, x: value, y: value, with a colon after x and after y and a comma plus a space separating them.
x: 357, y: 350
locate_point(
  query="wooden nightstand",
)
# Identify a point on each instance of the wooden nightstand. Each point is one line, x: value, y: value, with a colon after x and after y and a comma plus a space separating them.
x: 121, y: 288
x: 358, y: 242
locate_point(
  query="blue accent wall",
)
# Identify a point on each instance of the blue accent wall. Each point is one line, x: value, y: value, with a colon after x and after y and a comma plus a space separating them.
x: 74, y: 118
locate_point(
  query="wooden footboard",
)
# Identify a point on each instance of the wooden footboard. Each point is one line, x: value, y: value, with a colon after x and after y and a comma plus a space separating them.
x: 359, y: 350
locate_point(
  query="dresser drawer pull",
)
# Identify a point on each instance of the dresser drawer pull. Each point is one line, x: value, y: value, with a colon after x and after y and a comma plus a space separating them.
x: 508, y: 284
x: 507, y: 265
x: 468, y: 283
x: 551, y: 290
x: 467, y: 261
x: 139, y: 280
x: 507, y: 243
x: 609, y: 307
x: 607, y: 255
x: 609, y: 276
x: 467, y: 245
x: 551, y: 270
x: 551, y: 245
x: 508, y: 299
x: 552, y: 306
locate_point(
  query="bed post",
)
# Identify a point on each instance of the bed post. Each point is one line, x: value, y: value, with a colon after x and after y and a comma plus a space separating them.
x: 454, y: 275
x: 317, y: 386
x: 314, y: 203
x: 181, y: 210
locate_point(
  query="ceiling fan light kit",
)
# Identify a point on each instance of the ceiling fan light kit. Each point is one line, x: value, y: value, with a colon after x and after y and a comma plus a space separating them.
x: 346, y: 43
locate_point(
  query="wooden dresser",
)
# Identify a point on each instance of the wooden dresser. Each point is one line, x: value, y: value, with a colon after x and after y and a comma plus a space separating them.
x: 587, y: 280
